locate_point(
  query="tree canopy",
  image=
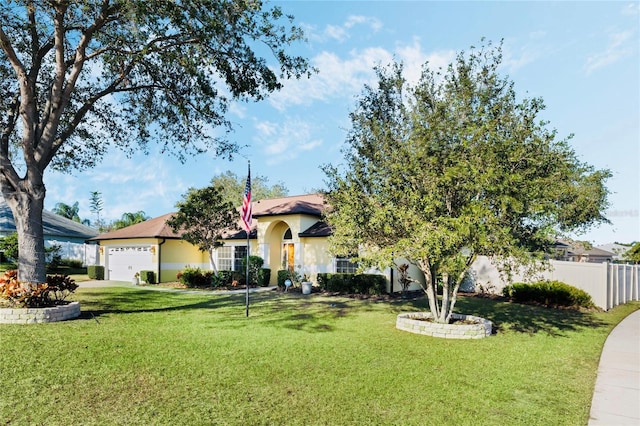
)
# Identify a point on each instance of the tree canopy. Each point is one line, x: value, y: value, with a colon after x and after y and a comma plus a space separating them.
x: 203, y: 216
x: 77, y: 78
x: 232, y: 187
x: 633, y: 254
x: 453, y: 167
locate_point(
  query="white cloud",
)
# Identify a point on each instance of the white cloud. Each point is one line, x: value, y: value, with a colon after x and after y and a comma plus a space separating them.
x: 345, y: 77
x: 631, y: 9
x: 285, y: 141
x: 619, y: 47
x: 336, y: 32
x: 341, y: 32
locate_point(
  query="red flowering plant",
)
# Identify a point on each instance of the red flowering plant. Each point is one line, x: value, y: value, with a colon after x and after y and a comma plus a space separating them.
x: 17, y: 294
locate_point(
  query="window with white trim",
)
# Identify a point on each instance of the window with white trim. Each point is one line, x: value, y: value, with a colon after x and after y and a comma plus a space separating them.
x: 225, y: 258
x: 344, y: 265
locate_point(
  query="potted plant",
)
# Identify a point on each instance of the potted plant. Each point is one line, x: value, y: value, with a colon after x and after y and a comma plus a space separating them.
x: 306, y: 284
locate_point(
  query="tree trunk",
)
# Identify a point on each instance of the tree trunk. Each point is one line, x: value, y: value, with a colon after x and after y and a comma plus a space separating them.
x: 431, y: 290
x: 213, y: 263
x: 446, y: 296
x: 27, y: 215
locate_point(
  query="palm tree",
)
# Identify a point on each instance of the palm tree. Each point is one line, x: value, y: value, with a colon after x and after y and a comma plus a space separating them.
x: 129, y: 219
x: 70, y: 212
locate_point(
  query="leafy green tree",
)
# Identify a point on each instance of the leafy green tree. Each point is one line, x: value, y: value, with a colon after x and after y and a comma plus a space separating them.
x: 9, y: 245
x: 454, y: 167
x: 79, y: 77
x: 633, y: 254
x: 129, y: 219
x: 232, y: 186
x: 203, y: 216
x: 70, y: 212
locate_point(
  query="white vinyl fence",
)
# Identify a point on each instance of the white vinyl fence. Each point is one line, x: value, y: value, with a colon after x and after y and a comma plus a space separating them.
x: 609, y: 284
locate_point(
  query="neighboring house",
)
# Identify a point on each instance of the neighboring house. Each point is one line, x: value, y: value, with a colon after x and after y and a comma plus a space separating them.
x: 618, y: 250
x: 69, y: 235
x: 287, y: 232
x: 576, y: 252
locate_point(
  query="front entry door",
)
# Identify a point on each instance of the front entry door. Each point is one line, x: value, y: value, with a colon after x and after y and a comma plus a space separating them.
x: 288, y: 258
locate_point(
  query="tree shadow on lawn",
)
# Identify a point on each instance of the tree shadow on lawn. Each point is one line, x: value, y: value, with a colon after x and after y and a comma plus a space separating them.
x: 99, y: 302
x: 519, y: 318
x: 314, y: 315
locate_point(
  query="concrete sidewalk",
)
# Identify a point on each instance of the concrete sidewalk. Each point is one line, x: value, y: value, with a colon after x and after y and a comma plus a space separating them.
x: 616, y: 397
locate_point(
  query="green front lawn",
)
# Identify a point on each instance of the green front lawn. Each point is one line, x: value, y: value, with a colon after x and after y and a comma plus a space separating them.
x: 138, y: 356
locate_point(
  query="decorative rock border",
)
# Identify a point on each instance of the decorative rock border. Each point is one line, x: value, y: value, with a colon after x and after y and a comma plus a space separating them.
x: 415, y: 323
x: 39, y: 315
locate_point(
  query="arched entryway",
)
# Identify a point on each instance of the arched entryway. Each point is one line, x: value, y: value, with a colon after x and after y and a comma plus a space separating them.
x: 280, y: 248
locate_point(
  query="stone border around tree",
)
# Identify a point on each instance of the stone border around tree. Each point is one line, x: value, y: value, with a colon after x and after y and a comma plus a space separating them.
x: 415, y: 323
x: 39, y: 315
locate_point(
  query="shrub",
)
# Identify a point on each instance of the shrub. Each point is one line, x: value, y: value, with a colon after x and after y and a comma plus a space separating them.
x: 283, y: 275
x: 352, y: 283
x: 264, y: 276
x: 255, y: 264
x: 61, y: 286
x: 148, y: 277
x: 195, y: 277
x: 53, y: 256
x: 553, y: 293
x: 25, y: 295
x: 224, y: 278
x: 95, y: 272
x: 72, y: 263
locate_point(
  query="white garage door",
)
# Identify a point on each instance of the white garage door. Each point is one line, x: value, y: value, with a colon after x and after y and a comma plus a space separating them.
x: 124, y: 262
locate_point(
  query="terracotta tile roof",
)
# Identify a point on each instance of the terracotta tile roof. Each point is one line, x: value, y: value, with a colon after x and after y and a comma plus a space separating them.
x: 152, y: 228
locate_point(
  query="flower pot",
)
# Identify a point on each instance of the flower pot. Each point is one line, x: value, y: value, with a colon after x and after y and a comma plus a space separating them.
x: 306, y: 287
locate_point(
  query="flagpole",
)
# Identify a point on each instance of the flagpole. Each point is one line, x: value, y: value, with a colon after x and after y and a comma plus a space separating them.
x: 247, y: 295
x: 246, y: 220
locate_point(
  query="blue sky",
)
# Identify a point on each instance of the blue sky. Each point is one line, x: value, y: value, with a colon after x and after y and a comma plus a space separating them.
x: 582, y: 58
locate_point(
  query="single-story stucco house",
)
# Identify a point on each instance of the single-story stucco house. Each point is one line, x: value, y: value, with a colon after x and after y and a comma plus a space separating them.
x: 286, y: 232
x: 69, y: 235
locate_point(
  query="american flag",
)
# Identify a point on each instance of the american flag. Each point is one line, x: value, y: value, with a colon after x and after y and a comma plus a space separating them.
x: 246, y: 203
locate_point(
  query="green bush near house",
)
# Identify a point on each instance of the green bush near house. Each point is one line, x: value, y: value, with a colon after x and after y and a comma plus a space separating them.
x: 352, y: 283
x: 195, y: 277
x: 264, y: 276
x: 95, y: 272
x: 255, y: 265
x: 228, y: 278
x: 553, y: 293
x: 148, y: 277
x: 283, y: 275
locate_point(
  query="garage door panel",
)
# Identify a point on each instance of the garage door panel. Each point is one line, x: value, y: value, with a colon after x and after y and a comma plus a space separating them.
x: 123, y: 262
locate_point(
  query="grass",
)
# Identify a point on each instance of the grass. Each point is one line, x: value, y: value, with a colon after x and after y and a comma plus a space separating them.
x: 139, y: 356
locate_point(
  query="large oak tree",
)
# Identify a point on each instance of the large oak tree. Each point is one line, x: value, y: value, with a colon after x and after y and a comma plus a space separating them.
x: 453, y: 167
x: 78, y: 77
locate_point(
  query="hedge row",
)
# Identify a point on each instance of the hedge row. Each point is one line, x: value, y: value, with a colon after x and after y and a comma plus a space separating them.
x: 353, y: 283
x: 553, y: 293
x: 196, y: 277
